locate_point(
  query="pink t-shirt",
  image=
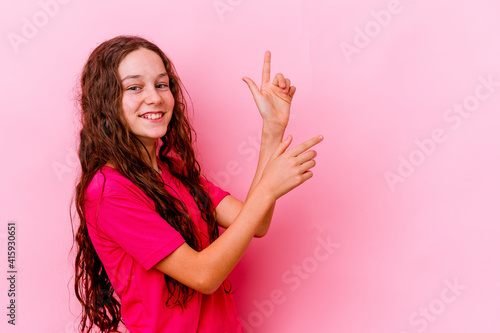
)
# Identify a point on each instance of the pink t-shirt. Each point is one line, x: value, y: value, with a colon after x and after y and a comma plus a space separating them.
x: 130, y: 237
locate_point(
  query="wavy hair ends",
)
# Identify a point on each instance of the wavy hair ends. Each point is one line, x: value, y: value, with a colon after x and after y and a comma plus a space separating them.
x: 105, y: 137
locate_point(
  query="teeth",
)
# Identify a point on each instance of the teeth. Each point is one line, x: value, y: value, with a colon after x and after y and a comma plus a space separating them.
x: 153, y: 116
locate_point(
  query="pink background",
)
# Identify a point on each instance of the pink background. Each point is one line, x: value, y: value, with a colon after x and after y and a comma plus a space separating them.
x: 412, y: 217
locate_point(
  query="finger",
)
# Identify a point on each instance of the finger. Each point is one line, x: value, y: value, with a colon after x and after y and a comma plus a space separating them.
x: 307, y: 156
x: 279, y: 81
x: 305, y: 145
x: 287, y: 86
x: 282, y: 146
x: 253, y: 87
x: 307, y: 175
x: 266, y: 69
x: 287, y: 83
x: 292, y: 91
x: 306, y: 166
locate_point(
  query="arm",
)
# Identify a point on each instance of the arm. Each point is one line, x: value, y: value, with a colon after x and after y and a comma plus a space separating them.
x: 229, y: 207
x: 273, y: 100
x: 206, y: 270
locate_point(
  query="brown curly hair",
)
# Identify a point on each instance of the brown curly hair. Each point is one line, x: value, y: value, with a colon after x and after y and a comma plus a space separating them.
x: 105, y: 137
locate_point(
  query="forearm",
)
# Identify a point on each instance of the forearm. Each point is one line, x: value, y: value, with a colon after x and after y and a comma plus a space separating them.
x: 206, y: 270
x: 220, y: 257
x: 271, y: 137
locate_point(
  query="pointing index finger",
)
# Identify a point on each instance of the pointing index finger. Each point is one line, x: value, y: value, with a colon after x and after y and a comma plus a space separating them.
x: 306, y: 145
x: 266, y: 70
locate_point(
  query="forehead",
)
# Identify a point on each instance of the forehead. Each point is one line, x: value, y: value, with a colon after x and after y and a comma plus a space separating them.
x: 141, y: 62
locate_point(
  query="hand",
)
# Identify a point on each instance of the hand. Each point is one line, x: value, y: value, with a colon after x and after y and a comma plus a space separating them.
x: 274, y: 98
x: 288, y: 169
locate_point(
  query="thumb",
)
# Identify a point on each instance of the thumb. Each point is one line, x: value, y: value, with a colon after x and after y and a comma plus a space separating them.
x: 253, y: 87
x: 282, y: 147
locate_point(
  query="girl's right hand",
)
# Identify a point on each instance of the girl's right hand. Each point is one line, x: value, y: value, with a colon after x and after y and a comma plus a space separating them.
x: 288, y: 169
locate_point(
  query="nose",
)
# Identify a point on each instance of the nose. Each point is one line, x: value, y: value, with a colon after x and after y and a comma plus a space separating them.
x: 152, y: 96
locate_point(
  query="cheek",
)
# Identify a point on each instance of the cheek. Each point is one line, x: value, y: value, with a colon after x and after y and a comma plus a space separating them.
x: 129, y: 107
x: 170, y: 100
x: 128, y: 111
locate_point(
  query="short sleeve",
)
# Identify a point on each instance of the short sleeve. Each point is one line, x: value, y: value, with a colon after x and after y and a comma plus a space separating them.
x: 128, y: 220
x: 216, y: 193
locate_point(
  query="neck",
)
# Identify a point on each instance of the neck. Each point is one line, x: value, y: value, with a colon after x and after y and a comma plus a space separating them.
x: 149, y: 155
x: 151, y: 151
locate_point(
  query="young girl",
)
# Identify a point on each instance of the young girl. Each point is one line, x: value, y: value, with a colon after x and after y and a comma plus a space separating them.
x: 149, y: 250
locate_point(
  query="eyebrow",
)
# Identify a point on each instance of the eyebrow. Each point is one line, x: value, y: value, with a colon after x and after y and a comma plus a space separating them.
x: 128, y: 77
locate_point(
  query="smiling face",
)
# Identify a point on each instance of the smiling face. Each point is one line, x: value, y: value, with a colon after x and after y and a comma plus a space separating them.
x: 147, y: 100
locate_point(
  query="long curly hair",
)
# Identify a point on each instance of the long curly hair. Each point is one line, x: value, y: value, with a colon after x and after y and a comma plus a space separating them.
x: 106, y: 137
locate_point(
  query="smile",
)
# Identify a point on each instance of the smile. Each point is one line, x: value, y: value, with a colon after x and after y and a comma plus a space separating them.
x: 152, y: 115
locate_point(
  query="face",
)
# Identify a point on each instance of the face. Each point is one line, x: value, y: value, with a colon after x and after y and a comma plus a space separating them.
x: 147, y: 100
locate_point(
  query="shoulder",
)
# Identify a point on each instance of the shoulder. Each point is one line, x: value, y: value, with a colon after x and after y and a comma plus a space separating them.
x: 108, y: 182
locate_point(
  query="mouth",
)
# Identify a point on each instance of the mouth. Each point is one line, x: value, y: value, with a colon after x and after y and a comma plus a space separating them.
x: 152, y: 115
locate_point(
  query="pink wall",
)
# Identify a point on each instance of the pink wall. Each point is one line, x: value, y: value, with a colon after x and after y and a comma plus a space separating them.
x: 399, y: 229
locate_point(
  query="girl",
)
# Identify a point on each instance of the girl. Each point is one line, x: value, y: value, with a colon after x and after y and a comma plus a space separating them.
x: 149, y: 250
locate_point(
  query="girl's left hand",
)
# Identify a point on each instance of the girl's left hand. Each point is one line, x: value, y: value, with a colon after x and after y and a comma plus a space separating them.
x: 274, y: 98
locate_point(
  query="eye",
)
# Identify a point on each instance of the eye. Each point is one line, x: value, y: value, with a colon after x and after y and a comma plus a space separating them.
x: 134, y: 88
x: 162, y: 85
